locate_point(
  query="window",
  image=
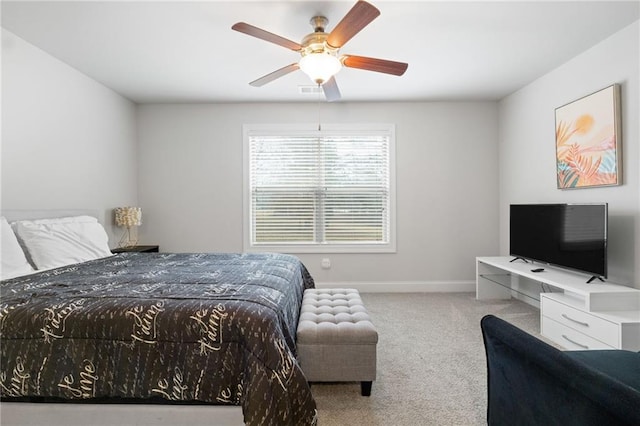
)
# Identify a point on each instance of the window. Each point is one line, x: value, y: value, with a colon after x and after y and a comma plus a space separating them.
x: 319, y: 191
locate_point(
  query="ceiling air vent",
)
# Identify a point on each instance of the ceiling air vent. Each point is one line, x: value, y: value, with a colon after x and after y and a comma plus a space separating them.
x: 309, y: 90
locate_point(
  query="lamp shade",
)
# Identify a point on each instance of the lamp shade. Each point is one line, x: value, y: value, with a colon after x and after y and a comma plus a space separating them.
x: 128, y: 216
x: 320, y: 67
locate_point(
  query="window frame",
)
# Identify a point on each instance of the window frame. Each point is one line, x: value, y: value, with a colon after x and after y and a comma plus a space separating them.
x: 385, y: 129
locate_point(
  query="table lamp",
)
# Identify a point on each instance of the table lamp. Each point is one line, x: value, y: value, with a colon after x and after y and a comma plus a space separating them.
x: 129, y: 217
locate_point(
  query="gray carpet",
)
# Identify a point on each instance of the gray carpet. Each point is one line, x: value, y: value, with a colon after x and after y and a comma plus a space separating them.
x: 431, y: 363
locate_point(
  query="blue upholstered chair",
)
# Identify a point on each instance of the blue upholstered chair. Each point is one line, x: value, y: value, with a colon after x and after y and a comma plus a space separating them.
x: 533, y: 383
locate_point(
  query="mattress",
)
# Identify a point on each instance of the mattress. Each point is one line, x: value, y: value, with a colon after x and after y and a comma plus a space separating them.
x: 149, y: 327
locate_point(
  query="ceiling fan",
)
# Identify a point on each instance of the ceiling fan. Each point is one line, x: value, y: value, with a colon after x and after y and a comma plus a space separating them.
x: 320, y: 50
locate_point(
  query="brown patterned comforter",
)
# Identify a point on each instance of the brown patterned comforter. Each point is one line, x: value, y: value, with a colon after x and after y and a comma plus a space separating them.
x: 204, y: 328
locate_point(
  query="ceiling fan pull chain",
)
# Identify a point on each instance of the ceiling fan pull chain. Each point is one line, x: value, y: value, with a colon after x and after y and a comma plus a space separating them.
x: 319, y: 125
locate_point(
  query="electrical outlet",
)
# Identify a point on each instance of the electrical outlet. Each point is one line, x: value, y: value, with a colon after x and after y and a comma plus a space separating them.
x: 326, y: 263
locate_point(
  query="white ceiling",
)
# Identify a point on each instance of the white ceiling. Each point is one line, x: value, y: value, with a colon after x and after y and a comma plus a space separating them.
x: 180, y: 51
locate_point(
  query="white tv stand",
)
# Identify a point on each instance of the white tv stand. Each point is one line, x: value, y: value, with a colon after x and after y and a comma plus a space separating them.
x: 573, y: 314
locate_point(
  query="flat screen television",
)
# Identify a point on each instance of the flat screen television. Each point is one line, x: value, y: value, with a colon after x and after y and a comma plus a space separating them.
x: 572, y: 236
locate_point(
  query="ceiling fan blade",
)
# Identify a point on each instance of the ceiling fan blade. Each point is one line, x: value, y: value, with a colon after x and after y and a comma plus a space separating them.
x: 265, y: 35
x: 360, y: 15
x: 276, y: 74
x: 331, y: 91
x: 374, y: 64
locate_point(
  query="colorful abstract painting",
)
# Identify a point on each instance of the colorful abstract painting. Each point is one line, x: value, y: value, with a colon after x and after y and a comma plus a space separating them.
x: 587, y: 140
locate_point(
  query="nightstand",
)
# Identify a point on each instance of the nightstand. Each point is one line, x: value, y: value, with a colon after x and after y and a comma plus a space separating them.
x: 138, y: 249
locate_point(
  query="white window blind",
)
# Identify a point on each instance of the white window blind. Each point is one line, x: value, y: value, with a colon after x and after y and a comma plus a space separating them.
x: 319, y: 189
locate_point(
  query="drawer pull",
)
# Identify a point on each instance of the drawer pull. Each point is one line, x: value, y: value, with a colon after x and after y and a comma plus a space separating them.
x: 585, y: 324
x: 575, y: 343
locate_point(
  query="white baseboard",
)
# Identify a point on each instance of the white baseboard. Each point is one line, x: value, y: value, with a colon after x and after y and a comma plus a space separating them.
x: 405, y: 286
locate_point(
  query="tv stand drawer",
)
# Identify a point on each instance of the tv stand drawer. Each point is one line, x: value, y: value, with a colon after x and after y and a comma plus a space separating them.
x: 581, y: 321
x: 569, y: 338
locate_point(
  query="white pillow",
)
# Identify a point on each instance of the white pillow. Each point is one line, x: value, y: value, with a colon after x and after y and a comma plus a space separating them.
x: 14, y: 262
x: 63, y: 241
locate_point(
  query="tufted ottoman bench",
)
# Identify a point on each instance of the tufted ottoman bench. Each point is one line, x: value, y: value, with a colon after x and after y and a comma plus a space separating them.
x: 336, y: 339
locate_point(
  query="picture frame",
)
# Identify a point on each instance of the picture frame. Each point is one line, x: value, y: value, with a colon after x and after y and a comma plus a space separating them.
x: 588, y: 141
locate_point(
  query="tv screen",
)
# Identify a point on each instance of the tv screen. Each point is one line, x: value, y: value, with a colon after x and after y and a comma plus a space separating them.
x: 572, y: 236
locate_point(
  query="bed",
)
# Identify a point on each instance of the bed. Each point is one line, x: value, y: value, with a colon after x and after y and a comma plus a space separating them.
x: 160, y: 327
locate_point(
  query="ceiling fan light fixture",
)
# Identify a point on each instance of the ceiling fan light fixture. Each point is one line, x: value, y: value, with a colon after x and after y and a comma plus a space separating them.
x: 320, y: 67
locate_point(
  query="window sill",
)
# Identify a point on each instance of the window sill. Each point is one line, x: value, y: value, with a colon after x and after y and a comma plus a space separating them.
x: 346, y: 248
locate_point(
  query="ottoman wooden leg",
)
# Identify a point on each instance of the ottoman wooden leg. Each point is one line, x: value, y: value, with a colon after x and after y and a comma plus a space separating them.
x: 365, y: 388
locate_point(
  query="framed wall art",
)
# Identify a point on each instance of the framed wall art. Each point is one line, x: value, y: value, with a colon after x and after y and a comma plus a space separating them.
x: 588, y: 145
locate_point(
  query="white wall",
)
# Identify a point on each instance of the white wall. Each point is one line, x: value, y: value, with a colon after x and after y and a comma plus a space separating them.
x: 68, y: 142
x: 190, y: 160
x: 527, y: 145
